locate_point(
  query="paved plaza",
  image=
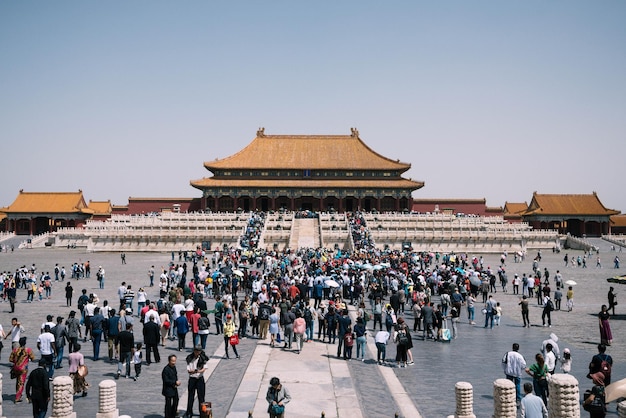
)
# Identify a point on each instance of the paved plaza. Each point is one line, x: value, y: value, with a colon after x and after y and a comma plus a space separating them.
x: 318, y: 381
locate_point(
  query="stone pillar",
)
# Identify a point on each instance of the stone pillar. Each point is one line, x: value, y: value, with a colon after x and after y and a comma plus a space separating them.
x: 621, y: 409
x: 504, y: 399
x: 107, y: 400
x: 1, y: 376
x: 464, y: 400
x: 564, y: 396
x: 63, y: 397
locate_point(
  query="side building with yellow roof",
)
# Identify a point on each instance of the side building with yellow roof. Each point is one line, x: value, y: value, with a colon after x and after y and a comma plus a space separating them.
x: 34, y: 213
x: 306, y: 172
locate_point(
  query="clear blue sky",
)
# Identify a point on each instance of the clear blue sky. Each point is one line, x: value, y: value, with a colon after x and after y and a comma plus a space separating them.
x: 492, y: 99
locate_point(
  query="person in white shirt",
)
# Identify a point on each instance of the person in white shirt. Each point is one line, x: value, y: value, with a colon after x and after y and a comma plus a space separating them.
x: 381, y: 339
x: 152, y: 313
x: 47, y: 348
x: 16, y: 333
x: 550, y: 358
x: 513, y: 364
x: 195, y: 368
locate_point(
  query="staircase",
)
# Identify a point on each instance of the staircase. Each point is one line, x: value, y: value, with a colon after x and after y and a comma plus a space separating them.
x: 305, y: 233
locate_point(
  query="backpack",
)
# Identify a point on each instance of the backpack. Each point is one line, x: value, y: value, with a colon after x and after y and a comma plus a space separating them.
x: 82, y: 301
x: 388, y: 320
x: 264, y: 312
x: 605, y: 367
x: 403, y: 339
x: 203, y: 323
x: 308, y: 316
x: 550, y: 305
x: 366, y: 316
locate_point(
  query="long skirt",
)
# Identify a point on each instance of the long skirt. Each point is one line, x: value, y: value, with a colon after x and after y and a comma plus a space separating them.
x: 605, y: 332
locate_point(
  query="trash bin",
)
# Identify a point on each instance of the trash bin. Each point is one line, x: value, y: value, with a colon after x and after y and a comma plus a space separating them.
x: 205, y: 410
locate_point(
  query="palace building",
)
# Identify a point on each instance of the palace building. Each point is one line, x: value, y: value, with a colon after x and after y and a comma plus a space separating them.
x: 306, y: 172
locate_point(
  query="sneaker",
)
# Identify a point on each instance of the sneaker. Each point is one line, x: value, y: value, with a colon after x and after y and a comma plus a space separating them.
x: 117, y: 376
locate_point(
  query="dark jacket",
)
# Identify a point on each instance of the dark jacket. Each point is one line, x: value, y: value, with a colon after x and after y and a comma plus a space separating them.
x: 38, y: 385
x: 151, y: 333
x: 126, y: 340
x: 169, y: 375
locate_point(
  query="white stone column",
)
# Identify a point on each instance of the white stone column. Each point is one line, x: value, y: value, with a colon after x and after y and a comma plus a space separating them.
x: 564, y: 400
x: 504, y: 399
x: 1, y: 376
x: 464, y: 392
x: 107, y: 400
x: 62, y: 397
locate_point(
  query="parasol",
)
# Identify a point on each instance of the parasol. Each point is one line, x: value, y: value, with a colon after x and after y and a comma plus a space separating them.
x: 331, y: 283
x: 226, y: 271
x: 617, y: 279
x: 475, y: 280
x: 615, y: 391
x: 570, y: 283
x: 238, y: 272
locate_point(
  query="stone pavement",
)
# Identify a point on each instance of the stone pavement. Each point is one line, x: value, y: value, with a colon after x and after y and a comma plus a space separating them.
x: 317, y: 380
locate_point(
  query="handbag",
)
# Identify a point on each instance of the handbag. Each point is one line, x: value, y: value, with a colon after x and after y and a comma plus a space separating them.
x: 13, y: 373
x: 234, y: 339
x: 166, y: 324
x: 278, y: 409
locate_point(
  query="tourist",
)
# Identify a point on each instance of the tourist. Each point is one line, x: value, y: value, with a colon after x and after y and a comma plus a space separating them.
x: 601, y: 362
x: 169, y: 377
x: 539, y: 373
x: 73, y: 330
x: 151, y: 337
x: 98, y: 322
x: 606, y: 336
x: 47, y: 349
x: 69, y: 292
x: 20, y: 357
x: 38, y: 390
x: 60, y: 337
x: 546, y: 312
x: 513, y: 364
x: 361, y: 338
x: 195, y: 368
x: 126, y: 341
x: 78, y: 370
x: 595, y: 403
x: 277, y: 397
x: 229, y: 331
x: 274, y: 327
x: 490, y: 307
x: 471, y: 301
x: 566, y: 361
x: 16, y: 333
x: 299, y: 330
x: 164, y: 319
x: 182, y: 328
x: 381, y: 338
x: 532, y: 406
x: 570, y: 298
x: 612, y: 300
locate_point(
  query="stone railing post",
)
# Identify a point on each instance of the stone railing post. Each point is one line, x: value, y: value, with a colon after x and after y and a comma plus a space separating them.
x: 464, y: 392
x: 564, y: 398
x: 621, y: 409
x: 504, y: 399
x: 63, y: 397
x: 107, y: 400
x: 1, y: 376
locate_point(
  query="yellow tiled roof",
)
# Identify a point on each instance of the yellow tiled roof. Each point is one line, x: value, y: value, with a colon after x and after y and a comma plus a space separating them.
x: 101, y: 208
x: 567, y: 204
x: 618, y: 221
x: 515, y: 207
x: 346, y: 152
x: 49, y: 202
x: 307, y: 184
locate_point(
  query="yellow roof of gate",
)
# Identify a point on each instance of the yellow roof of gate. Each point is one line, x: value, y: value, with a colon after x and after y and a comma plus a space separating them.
x: 325, y: 152
x: 567, y: 204
x: 49, y: 202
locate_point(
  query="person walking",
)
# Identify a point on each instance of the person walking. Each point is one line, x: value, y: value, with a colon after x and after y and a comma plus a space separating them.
x: 69, y: 292
x: 38, y: 390
x: 612, y: 297
x: 20, y: 357
x: 299, y: 329
x: 195, y: 368
x: 229, y: 331
x: 277, y: 397
x: 151, y: 337
x: 524, y: 304
x: 126, y: 341
x: 169, y: 377
x: 47, y: 348
x: 513, y: 364
x: 78, y: 371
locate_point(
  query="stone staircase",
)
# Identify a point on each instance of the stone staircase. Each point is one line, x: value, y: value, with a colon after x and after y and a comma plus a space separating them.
x: 305, y: 233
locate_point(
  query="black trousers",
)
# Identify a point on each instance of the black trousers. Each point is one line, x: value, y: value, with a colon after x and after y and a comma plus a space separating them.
x: 171, y: 406
x: 195, y: 385
x: 152, y: 348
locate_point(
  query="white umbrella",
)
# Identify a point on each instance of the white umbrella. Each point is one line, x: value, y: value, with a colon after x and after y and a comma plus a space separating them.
x: 331, y: 283
x: 570, y: 283
x: 378, y: 267
x: 615, y: 391
x: 238, y: 272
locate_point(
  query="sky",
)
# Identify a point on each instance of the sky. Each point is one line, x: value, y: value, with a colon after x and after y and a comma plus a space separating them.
x: 485, y: 99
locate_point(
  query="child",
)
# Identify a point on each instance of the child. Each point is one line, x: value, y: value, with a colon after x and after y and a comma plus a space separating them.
x: 498, y: 314
x: 137, y: 360
x: 566, y: 361
x: 348, y: 342
x: 40, y: 291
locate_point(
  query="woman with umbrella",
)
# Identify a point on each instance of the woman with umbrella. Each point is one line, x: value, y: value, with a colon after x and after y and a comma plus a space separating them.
x: 606, y: 336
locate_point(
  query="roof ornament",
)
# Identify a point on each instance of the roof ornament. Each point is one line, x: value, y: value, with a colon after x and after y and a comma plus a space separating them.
x: 260, y: 133
x: 355, y: 132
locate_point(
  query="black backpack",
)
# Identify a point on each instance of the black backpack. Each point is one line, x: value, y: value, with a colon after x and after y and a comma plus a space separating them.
x: 308, y: 316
